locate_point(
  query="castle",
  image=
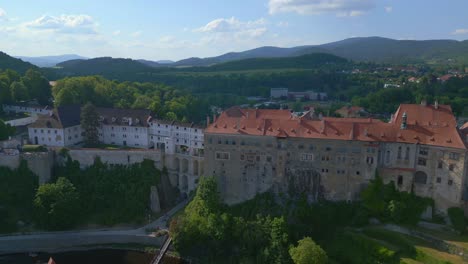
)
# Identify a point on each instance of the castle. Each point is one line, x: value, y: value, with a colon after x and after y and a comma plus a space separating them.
x: 251, y: 151
x: 179, y: 146
x: 420, y: 149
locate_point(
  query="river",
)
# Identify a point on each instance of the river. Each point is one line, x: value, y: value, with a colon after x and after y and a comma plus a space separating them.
x: 88, y: 257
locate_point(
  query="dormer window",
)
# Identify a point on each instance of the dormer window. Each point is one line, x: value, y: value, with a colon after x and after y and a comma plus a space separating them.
x: 124, y: 119
x: 137, y: 121
x: 113, y: 119
x: 101, y: 118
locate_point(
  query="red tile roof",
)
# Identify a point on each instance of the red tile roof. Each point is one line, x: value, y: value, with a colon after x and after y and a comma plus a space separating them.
x: 425, y: 125
x: 445, y: 77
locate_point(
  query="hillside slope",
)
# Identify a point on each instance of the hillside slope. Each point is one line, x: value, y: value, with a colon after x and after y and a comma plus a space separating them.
x: 8, y: 62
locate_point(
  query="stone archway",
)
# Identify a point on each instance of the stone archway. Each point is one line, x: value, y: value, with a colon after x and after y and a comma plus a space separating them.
x: 184, y: 165
x: 184, y: 183
x: 420, y: 177
x: 195, y: 167
x: 177, y: 164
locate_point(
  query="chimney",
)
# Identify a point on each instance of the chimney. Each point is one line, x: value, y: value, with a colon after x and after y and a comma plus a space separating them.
x: 436, y: 104
x: 404, y: 121
x: 424, y: 102
x: 207, y: 121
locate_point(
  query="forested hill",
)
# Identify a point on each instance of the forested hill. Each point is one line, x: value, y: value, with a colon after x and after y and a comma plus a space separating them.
x: 132, y: 70
x: 301, y: 62
x: 370, y: 49
x: 377, y: 49
x: 8, y: 62
x: 111, y: 68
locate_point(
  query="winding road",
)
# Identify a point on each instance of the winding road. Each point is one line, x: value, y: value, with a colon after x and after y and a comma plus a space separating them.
x: 59, y: 241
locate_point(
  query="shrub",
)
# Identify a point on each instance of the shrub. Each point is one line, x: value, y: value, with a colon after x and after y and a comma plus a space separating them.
x: 34, y: 148
x: 457, y: 218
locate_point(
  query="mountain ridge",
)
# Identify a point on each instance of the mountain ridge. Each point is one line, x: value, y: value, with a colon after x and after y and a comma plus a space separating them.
x: 50, y: 61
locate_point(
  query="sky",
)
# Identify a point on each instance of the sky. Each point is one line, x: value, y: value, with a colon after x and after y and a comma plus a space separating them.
x: 176, y: 29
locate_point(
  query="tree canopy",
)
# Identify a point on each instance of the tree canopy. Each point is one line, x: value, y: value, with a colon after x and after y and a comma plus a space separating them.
x: 307, y: 252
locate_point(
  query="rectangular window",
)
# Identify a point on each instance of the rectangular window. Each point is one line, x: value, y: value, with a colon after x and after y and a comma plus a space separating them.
x: 422, y: 161
x: 423, y: 151
x: 440, y: 164
x: 454, y: 156
x: 222, y: 155
x: 307, y: 157
x: 451, y: 167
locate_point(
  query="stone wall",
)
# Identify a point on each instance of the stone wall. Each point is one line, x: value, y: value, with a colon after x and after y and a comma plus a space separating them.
x: 40, y: 163
x: 86, y: 157
x: 9, y: 161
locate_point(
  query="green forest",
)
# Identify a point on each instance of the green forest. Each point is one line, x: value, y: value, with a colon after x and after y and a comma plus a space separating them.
x: 101, y: 194
x: 280, y: 229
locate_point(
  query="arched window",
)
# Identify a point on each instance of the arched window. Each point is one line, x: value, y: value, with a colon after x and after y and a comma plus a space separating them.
x: 400, y: 180
x: 420, y: 177
x: 399, y: 152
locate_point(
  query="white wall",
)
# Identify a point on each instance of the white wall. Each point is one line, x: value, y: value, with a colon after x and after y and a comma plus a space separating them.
x: 124, y: 136
x: 53, y: 137
x: 22, y: 121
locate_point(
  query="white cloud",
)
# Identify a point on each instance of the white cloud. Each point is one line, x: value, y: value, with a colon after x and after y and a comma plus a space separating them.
x: 67, y: 24
x: 388, y: 9
x: 230, y: 25
x: 136, y: 34
x: 232, y: 29
x: 116, y: 33
x: 316, y: 7
x: 460, y: 31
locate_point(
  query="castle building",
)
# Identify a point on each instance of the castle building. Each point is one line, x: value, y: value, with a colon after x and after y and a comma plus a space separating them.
x: 183, y: 146
x: 124, y: 127
x: 58, y: 128
x: 251, y: 151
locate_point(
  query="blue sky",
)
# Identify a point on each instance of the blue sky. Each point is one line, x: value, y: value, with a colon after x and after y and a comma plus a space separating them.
x: 179, y: 29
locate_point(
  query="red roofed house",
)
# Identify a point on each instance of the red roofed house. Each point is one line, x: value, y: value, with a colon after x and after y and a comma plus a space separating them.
x: 445, y: 77
x: 351, y: 111
x: 251, y: 151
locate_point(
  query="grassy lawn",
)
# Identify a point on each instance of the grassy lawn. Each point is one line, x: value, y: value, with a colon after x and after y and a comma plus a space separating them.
x: 410, y: 249
x: 449, y: 236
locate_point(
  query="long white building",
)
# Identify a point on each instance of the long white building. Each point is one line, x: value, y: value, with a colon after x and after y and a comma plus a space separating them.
x: 124, y: 127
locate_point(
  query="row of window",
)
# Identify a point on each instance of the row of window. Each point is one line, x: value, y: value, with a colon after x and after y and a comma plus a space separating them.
x: 421, y: 177
x: 167, y: 126
x: 124, y: 135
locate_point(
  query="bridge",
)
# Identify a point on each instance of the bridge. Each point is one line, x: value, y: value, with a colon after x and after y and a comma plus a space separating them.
x: 158, y: 258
